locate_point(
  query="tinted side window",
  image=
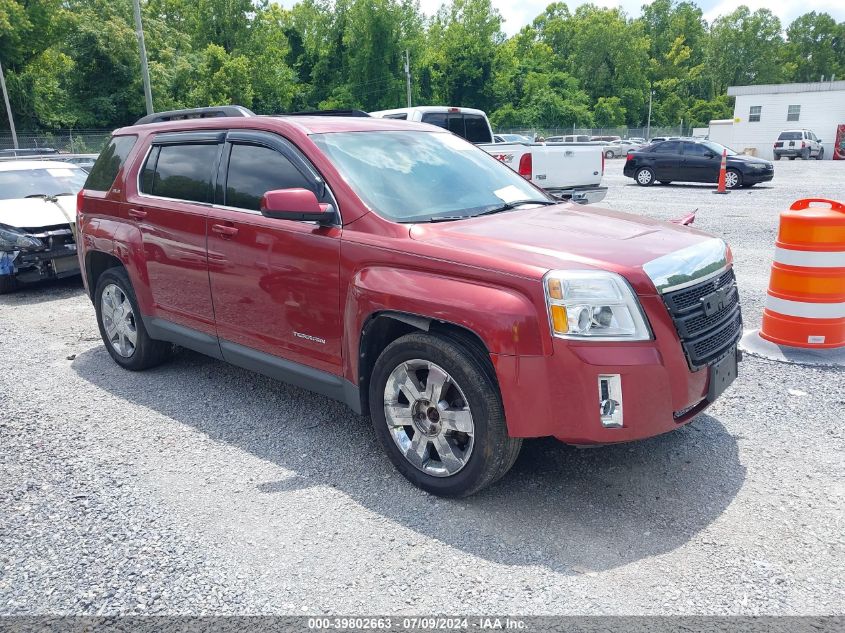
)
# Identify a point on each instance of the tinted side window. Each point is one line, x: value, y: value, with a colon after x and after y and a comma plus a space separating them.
x: 435, y: 118
x: 668, y: 147
x: 399, y: 117
x: 109, y: 162
x: 255, y: 170
x: 184, y: 172
x: 477, y: 130
x: 148, y: 172
x: 695, y: 149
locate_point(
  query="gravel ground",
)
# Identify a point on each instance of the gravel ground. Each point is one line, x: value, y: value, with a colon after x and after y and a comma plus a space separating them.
x: 199, y: 488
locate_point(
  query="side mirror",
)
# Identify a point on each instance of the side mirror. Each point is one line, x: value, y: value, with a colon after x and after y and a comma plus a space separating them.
x: 818, y: 140
x: 295, y: 204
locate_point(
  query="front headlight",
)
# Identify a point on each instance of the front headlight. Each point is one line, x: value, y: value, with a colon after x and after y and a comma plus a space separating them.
x: 593, y: 305
x: 12, y: 239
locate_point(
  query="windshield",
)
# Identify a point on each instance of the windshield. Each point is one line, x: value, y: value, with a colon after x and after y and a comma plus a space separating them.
x: 413, y: 176
x: 717, y: 148
x: 48, y: 181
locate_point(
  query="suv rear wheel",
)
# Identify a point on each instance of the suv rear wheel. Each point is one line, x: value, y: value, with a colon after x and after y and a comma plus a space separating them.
x: 121, y: 325
x: 437, y: 412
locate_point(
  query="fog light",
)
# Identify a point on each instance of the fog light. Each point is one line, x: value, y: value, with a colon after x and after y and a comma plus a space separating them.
x: 610, y: 401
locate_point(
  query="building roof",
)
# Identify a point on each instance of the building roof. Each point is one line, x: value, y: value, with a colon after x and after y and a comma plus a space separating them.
x: 763, y: 89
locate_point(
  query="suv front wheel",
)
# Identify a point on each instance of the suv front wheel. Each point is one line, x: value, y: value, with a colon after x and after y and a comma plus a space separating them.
x: 437, y: 412
x: 121, y: 326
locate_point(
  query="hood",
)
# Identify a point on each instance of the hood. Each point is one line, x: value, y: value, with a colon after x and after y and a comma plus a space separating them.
x: 34, y: 213
x: 533, y: 241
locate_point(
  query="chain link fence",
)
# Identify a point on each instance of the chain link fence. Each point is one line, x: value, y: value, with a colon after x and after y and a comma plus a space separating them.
x: 65, y: 141
x: 621, y: 132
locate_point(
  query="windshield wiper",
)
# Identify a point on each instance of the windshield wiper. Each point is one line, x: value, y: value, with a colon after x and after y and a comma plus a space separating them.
x: 513, y: 205
x: 504, y: 207
x: 450, y: 218
x: 51, y: 197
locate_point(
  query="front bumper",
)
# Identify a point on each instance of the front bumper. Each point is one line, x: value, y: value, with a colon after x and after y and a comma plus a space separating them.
x: 55, y: 260
x: 557, y: 395
x: 665, y: 382
x: 758, y: 176
x: 32, y: 266
x: 588, y: 194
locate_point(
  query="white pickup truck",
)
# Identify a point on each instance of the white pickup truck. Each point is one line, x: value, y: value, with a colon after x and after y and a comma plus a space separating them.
x: 567, y: 171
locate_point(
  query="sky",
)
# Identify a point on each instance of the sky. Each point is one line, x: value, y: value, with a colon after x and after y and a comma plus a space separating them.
x: 518, y: 13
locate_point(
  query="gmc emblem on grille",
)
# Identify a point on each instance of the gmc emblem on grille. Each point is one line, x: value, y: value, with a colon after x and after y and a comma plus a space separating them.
x: 716, y: 301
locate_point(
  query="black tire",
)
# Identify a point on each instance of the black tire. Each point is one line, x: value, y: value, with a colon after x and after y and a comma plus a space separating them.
x: 609, y: 154
x: 665, y: 182
x: 805, y: 155
x: 147, y: 352
x: 493, y: 451
x: 820, y: 155
x: 777, y: 156
x: 649, y: 180
x: 792, y: 158
x: 8, y: 283
x: 738, y: 179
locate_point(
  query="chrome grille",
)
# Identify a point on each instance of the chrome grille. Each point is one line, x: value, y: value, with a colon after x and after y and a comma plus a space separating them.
x: 706, y: 337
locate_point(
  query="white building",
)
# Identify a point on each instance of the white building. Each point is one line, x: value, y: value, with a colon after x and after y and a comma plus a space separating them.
x: 762, y: 112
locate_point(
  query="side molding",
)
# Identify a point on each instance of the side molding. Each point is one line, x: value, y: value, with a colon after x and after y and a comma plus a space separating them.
x: 321, y: 382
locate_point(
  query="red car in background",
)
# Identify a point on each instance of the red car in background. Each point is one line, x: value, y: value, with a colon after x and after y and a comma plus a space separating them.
x: 839, y: 147
x: 400, y: 269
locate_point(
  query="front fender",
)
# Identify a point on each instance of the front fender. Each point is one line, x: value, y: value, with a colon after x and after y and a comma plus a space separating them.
x: 503, y: 318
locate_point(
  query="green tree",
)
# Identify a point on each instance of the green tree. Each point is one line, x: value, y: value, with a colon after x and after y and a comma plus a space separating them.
x: 815, y: 47
x: 609, y: 112
x: 460, y: 53
x: 745, y: 48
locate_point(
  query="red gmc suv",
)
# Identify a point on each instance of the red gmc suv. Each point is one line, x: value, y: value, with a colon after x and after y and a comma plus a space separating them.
x: 400, y: 269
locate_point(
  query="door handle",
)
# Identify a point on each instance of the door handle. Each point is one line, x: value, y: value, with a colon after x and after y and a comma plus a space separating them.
x: 138, y: 214
x: 224, y: 231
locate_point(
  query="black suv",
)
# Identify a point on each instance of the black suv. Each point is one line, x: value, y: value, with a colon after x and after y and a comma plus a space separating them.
x: 690, y: 160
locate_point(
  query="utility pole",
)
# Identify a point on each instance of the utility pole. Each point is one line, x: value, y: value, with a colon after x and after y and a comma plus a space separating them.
x: 648, y: 128
x: 8, y: 108
x: 145, y: 71
x: 408, y: 75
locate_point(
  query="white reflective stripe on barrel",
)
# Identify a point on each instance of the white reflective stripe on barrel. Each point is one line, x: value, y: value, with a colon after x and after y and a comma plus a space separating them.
x: 804, y: 309
x: 810, y: 259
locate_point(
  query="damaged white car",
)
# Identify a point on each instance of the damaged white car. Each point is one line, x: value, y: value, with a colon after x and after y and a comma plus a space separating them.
x: 37, y: 221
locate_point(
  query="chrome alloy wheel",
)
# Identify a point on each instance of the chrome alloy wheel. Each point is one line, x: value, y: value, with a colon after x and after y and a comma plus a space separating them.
x: 119, y: 320
x: 731, y: 179
x: 644, y: 176
x: 429, y: 418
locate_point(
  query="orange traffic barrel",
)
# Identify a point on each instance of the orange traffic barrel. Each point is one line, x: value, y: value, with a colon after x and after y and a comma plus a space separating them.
x: 805, y: 305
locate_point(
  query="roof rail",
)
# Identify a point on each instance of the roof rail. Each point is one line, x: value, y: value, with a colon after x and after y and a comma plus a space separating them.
x: 196, y: 113
x: 327, y: 113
